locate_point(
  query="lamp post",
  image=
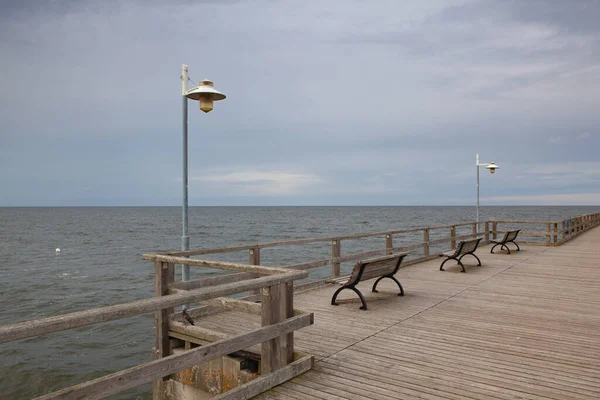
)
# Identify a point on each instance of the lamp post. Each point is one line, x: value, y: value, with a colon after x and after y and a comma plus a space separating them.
x: 492, y: 168
x: 205, y: 93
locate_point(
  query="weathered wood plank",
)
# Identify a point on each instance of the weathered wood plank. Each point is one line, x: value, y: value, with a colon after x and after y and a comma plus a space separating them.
x: 164, y: 273
x: 288, y: 343
x: 266, y: 382
x: 335, y: 253
x: 271, y: 314
x: 143, y: 373
x: 228, y: 266
x: 212, y: 281
x: 88, y: 317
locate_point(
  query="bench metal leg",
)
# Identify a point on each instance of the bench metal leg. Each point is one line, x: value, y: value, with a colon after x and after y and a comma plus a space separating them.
x: 392, y: 278
x: 457, y: 260
x: 504, y: 246
x: 442, y: 266
x: 515, y: 243
x: 355, y: 290
x: 472, y: 254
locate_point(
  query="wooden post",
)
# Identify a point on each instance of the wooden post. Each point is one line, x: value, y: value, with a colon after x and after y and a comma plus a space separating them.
x: 254, y: 259
x: 487, y: 231
x: 547, y: 234
x: 555, y: 232
x: 474, y: 229
x: 270, y: 352
x: 389, y: 244
x: 254, y: 255
x: 571, y: 226
x: 453, y: 237
x: 563, y: 227
x: 164, y: 273
x: 494, y: 230
x: 335, y: 252
x: 425, y: 242
x: 287, y: 349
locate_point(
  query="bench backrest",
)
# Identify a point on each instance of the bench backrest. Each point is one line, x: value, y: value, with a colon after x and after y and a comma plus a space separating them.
x: 375, y: 267
x: 467, y: 246
x: 510, y: 235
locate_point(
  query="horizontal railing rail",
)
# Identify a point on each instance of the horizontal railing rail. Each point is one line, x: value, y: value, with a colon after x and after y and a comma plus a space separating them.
x: 488, y: 230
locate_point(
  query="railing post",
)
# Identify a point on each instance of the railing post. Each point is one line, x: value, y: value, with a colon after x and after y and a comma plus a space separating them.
x: 270, y: 350
x: 548, y: 234
x: 555, y: 232
x: 563, y: 227
x: 475, y: 229
x: 254, y: 259
x: 487, y: 231
x: 494, y: 230
x: 426, y: 242
x: 164, y: 274
x: 453, y: 237
x: 287, y: 345
x: 571, y: 226
x: 389, y: 244
x: 335, y: 252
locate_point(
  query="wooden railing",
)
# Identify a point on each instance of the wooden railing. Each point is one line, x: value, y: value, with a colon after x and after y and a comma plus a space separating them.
x: 279, y: 321
x: 435, y: 240
x: 554, y: 233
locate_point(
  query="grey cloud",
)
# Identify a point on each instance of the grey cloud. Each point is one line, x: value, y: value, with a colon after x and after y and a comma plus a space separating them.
x: 395, y: 98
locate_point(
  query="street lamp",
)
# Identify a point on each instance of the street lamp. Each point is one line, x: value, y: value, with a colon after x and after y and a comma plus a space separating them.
x: 206, y: 94
x: 490, y: 167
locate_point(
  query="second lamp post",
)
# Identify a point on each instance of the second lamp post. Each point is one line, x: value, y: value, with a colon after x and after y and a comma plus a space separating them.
x: 492, y: 168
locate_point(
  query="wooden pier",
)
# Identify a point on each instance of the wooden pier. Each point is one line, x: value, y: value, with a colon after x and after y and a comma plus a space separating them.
x: 522, y: 325
x: 525, y: 325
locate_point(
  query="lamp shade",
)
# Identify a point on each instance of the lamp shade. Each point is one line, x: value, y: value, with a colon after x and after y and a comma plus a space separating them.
x: 492, y: 167
x: 206, y: 94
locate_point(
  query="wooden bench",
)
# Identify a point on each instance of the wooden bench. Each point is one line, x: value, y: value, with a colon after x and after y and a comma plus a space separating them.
x: 509, y: 237
x: 466, y: 247
x: 380, y: 267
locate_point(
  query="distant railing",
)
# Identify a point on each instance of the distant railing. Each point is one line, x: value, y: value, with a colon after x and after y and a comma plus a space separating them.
x: 446, y: 234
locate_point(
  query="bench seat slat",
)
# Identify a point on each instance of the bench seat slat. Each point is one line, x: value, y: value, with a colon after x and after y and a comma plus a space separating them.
x: 372, y: 270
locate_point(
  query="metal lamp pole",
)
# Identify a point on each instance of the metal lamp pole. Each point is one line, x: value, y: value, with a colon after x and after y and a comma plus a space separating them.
x: 185, y: 239
x: 206, y: 94
x: 492, y: 168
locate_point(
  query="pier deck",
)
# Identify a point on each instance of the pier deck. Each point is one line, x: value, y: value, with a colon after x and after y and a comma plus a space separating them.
x: 525, y: 325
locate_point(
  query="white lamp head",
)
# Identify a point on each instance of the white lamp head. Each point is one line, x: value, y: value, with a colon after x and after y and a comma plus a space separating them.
x: 492, y: 167
x: 205, y: 93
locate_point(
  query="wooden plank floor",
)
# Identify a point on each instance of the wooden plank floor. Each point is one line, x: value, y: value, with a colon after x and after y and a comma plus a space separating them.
x: 525, y: 325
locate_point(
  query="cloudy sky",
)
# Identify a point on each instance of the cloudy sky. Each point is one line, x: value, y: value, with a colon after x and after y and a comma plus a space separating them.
x: 328, y: 102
